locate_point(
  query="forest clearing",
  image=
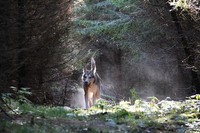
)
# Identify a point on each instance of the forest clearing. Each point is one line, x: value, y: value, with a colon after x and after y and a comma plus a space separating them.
x: 100, y: 66
x: 106, y: 117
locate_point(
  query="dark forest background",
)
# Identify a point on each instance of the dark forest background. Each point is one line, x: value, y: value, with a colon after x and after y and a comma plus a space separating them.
x: 149, y: 46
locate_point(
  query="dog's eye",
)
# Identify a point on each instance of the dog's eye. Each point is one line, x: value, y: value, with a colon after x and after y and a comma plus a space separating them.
x: 84, y: 76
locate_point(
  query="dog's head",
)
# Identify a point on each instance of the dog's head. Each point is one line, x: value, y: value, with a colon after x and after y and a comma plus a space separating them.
x: 88, y: 76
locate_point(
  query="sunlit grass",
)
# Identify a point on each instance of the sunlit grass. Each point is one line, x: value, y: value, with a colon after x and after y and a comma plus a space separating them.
x: 44, y: 111
x: 167, y: 115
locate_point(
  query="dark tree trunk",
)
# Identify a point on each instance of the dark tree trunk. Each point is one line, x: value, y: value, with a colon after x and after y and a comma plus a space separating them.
x: 21, y: 43
x: 187, y: 49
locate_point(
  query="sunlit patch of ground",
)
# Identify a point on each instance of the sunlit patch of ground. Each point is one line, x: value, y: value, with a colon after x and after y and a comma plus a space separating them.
x: 140, y: 116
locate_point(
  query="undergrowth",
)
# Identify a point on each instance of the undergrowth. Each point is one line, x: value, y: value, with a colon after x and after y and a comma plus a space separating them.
x: 150, y: 115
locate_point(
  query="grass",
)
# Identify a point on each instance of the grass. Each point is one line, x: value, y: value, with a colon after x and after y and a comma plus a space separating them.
x: 105, y: 116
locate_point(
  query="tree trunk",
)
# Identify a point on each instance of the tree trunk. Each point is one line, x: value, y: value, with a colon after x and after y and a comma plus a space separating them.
x: 21, y: 43
x: 187, y: 49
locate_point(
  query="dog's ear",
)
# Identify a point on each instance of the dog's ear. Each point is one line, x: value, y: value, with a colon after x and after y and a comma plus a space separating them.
x: 93, y: 65
x: 84, y: 70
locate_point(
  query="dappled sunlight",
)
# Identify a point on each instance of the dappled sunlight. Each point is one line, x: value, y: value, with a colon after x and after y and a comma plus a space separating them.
x: 134, y: 115
x: 163, y: 115
x: 146, y: 54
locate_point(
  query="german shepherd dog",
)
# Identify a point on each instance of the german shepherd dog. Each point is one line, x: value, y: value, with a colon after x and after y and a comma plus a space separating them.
x: 91, y: 84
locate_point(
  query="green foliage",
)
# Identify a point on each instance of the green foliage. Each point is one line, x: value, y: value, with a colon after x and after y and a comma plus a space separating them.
x: 6, y: 97
x: 109, y: 20
x: 134, y: 95
x: 163, y: 116
x: 190, y: 7
x: 20, y: 95
x: 120, y: 23
x: 104, y: 105
x: 122, y: 3
x: 198, y: 96
x: 183, y: 4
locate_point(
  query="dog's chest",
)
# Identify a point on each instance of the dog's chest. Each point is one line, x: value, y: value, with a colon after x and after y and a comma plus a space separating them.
x: 92, y: 88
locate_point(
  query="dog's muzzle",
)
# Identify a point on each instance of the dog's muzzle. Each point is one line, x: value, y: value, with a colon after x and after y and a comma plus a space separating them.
x: 86, y: 83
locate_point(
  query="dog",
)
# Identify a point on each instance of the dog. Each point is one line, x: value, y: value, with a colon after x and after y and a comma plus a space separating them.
x: 91, y: 84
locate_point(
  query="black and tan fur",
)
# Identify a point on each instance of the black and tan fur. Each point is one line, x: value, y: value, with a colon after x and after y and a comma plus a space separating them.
x: 91, y: 85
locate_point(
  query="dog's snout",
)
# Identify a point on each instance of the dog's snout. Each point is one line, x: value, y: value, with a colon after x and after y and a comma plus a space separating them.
x: 86, y: 82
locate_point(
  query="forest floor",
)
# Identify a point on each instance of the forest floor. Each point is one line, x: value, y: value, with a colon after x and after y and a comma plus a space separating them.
x: 143, y: 116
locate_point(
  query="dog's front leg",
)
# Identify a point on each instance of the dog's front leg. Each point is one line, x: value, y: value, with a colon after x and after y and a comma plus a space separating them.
x: 86, y: 101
